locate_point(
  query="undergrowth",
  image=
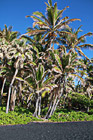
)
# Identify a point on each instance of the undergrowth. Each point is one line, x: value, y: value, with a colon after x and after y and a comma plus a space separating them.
x: 70, y: 116
x: 19, y: 116
x: 24, y: 116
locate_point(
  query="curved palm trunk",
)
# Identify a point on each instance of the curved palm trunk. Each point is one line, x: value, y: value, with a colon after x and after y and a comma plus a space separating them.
x: 57, y: 102
x: 53, y: 105
x: 50, y: 106
x: 10, y: 87
x: 36, y: 108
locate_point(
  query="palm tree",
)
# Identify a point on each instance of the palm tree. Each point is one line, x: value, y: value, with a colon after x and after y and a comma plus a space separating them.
x: 71, y: 40
x: 50, y: 25
x: 22, y: 54
x: 8, y: 35
x: 89, y: 78
x: 66, y: 65
x: 13, y: 53
x: 40, y: 81
x: 90, y: 71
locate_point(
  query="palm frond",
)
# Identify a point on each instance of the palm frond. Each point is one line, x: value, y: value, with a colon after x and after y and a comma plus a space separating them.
x: 78, y: 30
x: 86, y: 46
x: 35, y: 32
x: 40, y: 15
x: 56, y: 69
x: 80, y: 51
x: 55, y: 14
x: 50, y: 2
x: 66, y: 22
x: 88, y: 34
x: 22, y: 80
x: 58, y: 61
x: 61, y: 12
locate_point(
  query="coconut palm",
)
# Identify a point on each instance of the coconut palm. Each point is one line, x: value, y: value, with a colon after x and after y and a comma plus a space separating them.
x: 22, y: 54
x: 8, y: 35
x: 13, y: 53
x: 66, y: 65
x: 41, y: 83
x: 49, y: 25
x: 71, y: 39
x: 88, y: 88
x: 90, y: 71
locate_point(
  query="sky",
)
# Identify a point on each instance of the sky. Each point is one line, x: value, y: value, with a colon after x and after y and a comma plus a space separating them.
x: 13, y: 12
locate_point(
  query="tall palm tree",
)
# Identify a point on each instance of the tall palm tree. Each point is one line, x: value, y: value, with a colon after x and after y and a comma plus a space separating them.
x: 66, y: 65
x: 40, y: 80
x: 22, y: 53
x: 7, y: 36
x: 51, y: 24
x: 13, y: 54
x: 89, y: 79
x: 71, y: 39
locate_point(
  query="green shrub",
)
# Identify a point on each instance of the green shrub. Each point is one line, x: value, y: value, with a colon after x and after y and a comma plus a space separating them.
x: 19, y: 116
x: 90, y: 111
x: 71, y: 116
x: 79, y: 101
x: 24, y: 116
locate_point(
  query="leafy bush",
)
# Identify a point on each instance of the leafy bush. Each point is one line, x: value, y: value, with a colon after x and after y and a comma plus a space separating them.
x: 90, y: 111
x: 24, y: 116
x: 79, y: 101
x: 19, y: 116
x: 71, y: 116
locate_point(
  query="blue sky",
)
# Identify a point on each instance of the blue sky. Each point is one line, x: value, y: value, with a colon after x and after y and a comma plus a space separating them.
x: 13, y: 12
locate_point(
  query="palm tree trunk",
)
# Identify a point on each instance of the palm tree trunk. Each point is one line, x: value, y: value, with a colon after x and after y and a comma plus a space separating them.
x: 20, y: 93
x: 52, y: 110
x: 53, y: 107
x: 13, y: 98
x: 50, y: 106
x: 2, y: 91
x: 9, y: 92
x: 58, y: 99
x: 39, y: 106
x: 36, y: 108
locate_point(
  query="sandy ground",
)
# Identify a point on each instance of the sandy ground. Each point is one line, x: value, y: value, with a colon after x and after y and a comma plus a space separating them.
x: 48, y: 131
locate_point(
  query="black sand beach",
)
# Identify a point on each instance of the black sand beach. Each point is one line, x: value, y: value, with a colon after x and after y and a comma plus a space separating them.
x: 48, y: 131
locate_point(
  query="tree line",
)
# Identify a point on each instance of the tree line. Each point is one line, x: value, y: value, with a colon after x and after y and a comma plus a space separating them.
x: 35, y: 75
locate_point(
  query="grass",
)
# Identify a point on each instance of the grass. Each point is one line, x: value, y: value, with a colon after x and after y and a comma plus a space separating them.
x: 24, y: 116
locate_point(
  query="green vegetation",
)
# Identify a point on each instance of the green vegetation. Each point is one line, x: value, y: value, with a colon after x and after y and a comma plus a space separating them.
x: 24, y: 116
x: 39, y: 79
x: 79, y: 101
x: 19, y: 116
x: 72, y: 116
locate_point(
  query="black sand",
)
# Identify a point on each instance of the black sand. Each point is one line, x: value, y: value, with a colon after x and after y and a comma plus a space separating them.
x: 48, y: 131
